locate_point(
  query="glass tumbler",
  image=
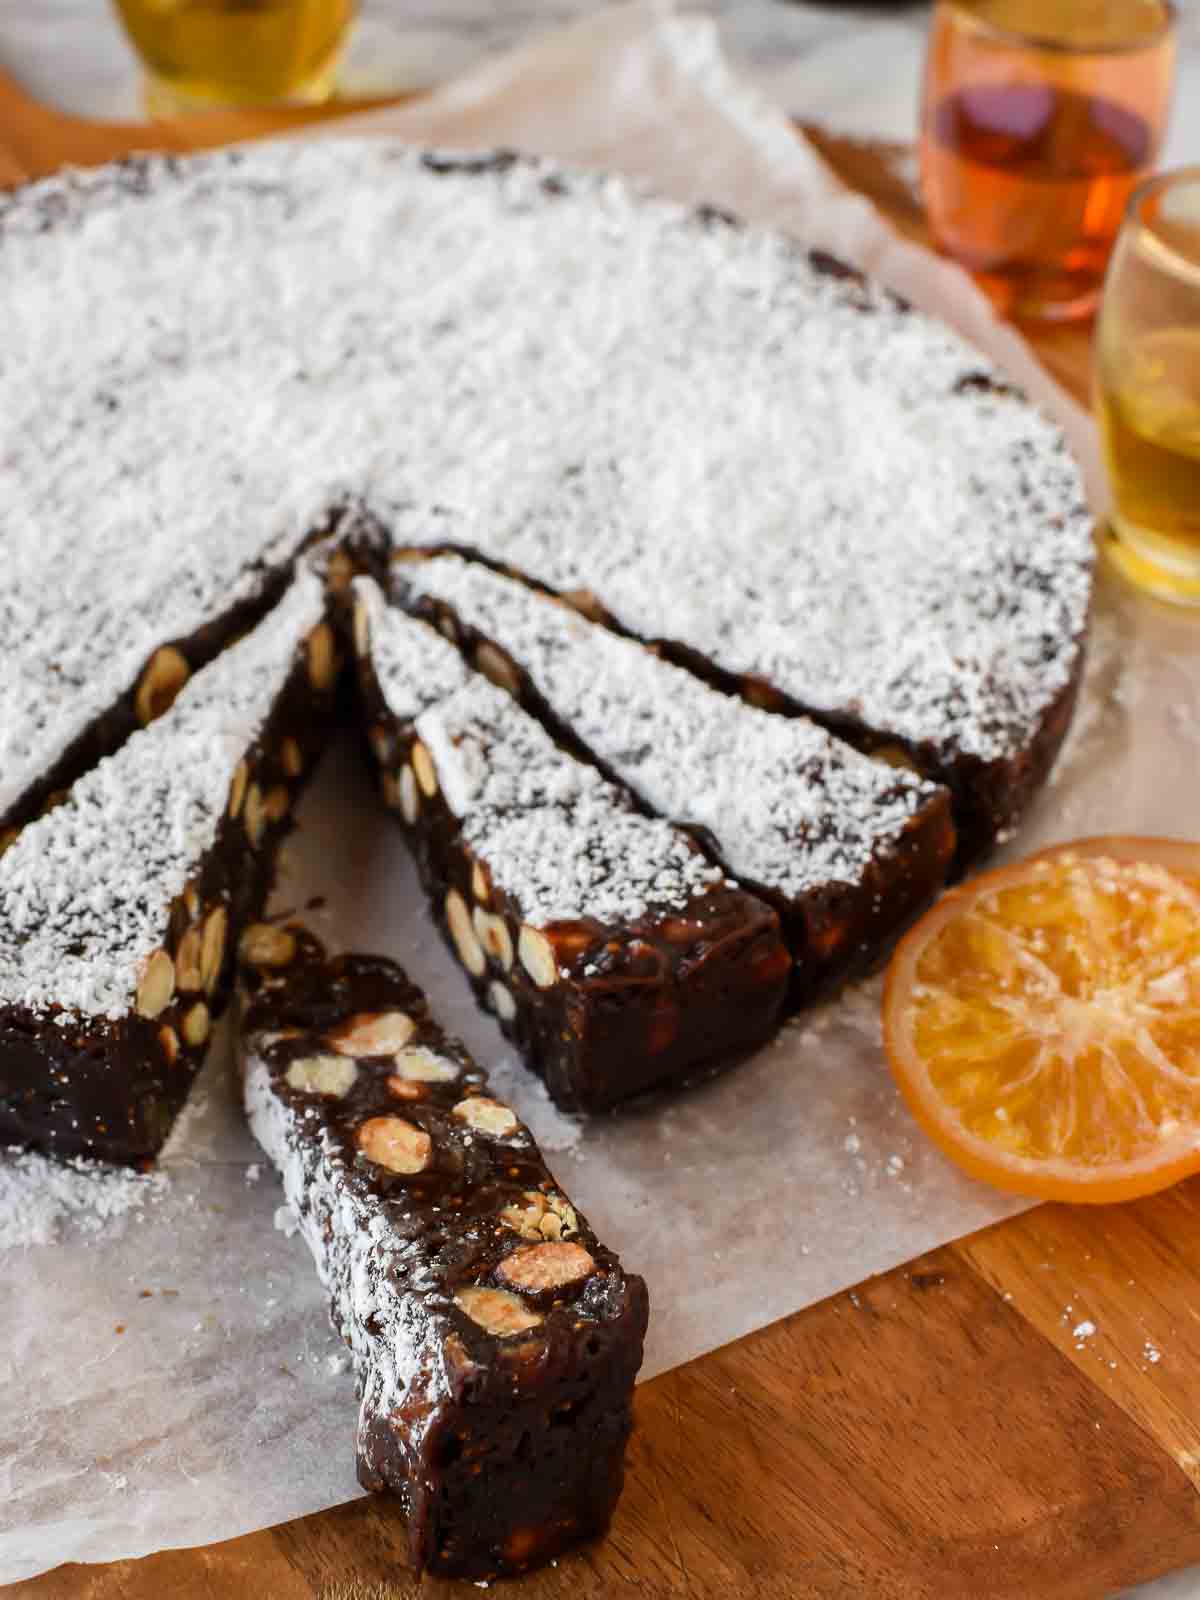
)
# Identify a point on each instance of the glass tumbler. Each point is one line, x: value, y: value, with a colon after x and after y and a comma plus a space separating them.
x: 1039, y: 119
x: 204, y: 53
x: 1148, y: 388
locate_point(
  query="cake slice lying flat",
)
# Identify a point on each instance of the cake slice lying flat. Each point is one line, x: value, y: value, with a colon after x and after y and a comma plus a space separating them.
x: 495, y: 1339
x: 845, y: 847
x: 608, y: 946
x: 119, y: 907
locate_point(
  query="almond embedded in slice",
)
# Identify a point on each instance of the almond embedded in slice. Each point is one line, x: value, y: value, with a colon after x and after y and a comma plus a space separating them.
x: 212, y: 954
x: 373, y: 1033
x: 395, y: 1144
x: 501, y: 1001
x: 458, y: 920
x: 494, y: 664
x: 255, y: 815
x: 416, y: 1064
x: 195, y: 1024
x: 237, y: 789
x: 496, y: 1311
x: 538, y: 1267
x: 187, y: 961
x: 492, y: 933
x: 537, y: 957
x: 322, y: 657
x: 362, y: 630
x: 423, y: 767
x: 166, y: 673
x: 329, y: 1075
x: 291, y: 757
x: 410, y: 799
x: 487, y: 1116
x: 157, y: 985
x: 265, y: 945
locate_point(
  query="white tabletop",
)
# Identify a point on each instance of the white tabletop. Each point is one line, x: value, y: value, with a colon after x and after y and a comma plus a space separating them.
x: 854, y: 69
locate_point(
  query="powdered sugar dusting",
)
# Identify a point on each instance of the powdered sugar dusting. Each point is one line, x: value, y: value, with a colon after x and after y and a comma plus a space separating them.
x: 556, y: 835
x: 86, y: 891
x: 356, y: 1242
x: 788, y: 806
x: 554, y: 1131
x: 415, y: 670
x: 38, y: 1197
x: 786, y: 471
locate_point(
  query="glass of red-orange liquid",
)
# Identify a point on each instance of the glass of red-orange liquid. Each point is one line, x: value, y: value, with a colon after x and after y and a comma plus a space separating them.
x: 1039, y: 119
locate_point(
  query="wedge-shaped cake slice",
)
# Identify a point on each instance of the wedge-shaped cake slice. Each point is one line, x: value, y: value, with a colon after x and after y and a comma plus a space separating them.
x: 495, y: 1339
x: 611, y: 949
x: 845, y: 847
x: 140, y: 615
x: 118, y: 909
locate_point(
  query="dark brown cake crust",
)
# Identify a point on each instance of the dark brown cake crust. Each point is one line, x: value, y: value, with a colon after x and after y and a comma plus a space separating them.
x: 495, y: 1397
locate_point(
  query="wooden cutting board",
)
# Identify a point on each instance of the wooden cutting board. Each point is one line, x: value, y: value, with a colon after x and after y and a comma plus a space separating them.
x: 938, y: 1432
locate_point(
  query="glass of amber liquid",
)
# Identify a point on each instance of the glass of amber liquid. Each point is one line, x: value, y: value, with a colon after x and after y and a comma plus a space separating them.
x: 1148, y: 388
x: 205, y: 53
x: 1039, y: 119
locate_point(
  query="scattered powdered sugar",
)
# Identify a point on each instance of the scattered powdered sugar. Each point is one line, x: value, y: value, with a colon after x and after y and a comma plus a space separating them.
x: 1151, y: 1353
x: 1102, y: 693
x: 38, y: 1197
x: 554, y: 1131
x: 1083, y: 1331
x: 86, y: 890
x: 789, y: 807
x: 779, y: 467
x: 1185, y: 720
x: 555, y: 834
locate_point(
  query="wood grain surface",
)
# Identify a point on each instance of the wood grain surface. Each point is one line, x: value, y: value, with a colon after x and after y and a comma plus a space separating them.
x: 939, y: 1432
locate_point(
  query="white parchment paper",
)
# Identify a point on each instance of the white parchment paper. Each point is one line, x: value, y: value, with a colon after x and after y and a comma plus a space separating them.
x: 167, y: 1376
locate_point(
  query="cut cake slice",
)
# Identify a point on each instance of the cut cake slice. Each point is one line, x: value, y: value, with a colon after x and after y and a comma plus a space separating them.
x: 118, y: 908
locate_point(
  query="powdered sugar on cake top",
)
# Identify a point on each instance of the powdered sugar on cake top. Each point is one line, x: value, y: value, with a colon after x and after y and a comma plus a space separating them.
x: 202, y: 357
x: 556, y: 836
x: 86, y: 891
x: 415, y: 669
x: 789, y: 807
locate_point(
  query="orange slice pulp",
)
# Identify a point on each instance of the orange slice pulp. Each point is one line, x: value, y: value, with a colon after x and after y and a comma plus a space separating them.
x: 1043, y: 1020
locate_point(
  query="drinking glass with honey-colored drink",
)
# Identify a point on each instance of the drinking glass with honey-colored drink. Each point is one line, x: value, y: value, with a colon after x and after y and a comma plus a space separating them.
x: 201, y: 53
x: 1039, y: 119
x: 1148, y: 388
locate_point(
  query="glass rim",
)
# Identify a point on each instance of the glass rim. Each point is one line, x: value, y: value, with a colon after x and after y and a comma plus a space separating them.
x: 1146, y: 191
x: 1039, y: 41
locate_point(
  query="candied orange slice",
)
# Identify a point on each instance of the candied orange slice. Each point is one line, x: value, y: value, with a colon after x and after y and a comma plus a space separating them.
x: 1043, y: 1020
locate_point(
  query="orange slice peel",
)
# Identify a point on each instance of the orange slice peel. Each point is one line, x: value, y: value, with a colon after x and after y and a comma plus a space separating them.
x: 1043, y: 1020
